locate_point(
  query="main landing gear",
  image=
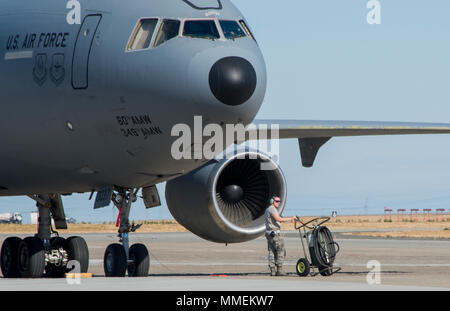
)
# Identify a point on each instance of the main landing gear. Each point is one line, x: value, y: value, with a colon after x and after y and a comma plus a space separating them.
x: 45, y: 254
x: 120, y: 257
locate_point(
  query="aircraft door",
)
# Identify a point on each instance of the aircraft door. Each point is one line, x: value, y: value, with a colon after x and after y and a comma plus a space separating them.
x: 82, y: 50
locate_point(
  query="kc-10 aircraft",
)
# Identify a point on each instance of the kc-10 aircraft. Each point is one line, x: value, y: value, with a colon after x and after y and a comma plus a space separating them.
x: 90, y: 93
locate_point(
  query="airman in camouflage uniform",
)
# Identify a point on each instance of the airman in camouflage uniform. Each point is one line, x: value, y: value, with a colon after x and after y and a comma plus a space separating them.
x: 275, y: 242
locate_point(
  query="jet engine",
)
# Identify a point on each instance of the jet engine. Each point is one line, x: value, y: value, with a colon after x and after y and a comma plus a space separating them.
x: 224, y: 200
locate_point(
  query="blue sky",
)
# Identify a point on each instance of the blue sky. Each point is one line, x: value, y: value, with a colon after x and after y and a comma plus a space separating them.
x: 325, y: 62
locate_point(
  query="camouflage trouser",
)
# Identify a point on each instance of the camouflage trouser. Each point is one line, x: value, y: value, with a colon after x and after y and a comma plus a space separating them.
x: 276, y: 250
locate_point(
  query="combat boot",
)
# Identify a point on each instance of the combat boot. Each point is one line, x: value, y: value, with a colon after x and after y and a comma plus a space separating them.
x: 280, y: 271
x: 272, y: 271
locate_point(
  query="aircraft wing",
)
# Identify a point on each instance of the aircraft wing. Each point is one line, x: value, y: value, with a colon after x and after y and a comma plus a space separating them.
x: 313, y: 134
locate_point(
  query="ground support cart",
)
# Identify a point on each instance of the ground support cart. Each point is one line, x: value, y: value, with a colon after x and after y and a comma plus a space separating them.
x: 322, y: 248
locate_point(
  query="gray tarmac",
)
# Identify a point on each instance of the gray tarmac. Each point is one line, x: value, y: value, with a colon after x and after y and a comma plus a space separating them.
x: 184, y: 262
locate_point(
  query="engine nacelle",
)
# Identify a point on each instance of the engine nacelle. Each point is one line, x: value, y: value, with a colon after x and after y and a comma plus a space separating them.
x: 224, y: 200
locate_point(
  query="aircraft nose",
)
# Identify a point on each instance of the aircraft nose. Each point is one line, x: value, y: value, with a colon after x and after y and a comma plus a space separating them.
x: 232, y: 80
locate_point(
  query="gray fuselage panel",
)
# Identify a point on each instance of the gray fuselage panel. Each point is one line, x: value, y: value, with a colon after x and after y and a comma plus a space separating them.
x: 80, y: 111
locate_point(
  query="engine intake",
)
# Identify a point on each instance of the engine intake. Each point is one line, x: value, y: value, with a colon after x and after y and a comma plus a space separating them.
x: 224, y: 200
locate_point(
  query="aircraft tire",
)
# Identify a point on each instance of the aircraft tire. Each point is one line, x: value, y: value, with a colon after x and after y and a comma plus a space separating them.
x: 31, y: 258
x: 9, y: 259
x: 141, y: 261
x: 115, y: 261
x: 78, y: 250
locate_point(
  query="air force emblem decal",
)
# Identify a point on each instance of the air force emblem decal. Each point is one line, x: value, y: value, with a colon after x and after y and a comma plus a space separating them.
x: 57, y: 71
x: 40, y: 69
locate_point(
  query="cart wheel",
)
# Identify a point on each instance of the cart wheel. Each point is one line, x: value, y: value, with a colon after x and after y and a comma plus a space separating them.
x: 303, y: 267
x: 326, y: 271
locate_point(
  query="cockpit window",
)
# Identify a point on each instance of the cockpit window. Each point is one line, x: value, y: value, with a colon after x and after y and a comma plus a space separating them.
x: 232, y: 30
x: 246, y: 29
x: 169, y: 29
x: 205, y: 29
x: 143, y: 34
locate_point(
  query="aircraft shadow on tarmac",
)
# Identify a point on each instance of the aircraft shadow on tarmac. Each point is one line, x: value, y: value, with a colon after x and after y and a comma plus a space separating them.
x: 289, y: 274
x: 218, y: 274
x: 365, y: 272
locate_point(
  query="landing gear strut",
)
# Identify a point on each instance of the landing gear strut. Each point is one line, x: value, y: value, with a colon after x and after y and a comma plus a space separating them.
x: 121, y: 257
x: 45, y: 254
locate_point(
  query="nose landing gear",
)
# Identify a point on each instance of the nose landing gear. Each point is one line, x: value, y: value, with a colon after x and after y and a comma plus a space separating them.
x: 119, y: 258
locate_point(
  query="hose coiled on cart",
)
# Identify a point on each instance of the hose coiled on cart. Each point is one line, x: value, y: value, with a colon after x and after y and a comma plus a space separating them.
x: 323, y: 249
